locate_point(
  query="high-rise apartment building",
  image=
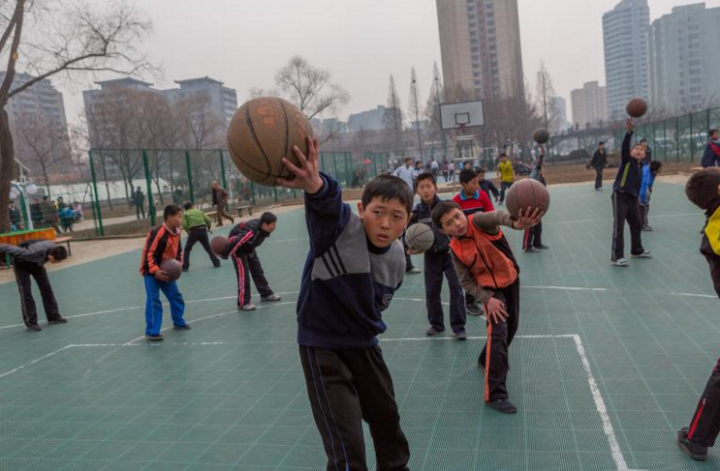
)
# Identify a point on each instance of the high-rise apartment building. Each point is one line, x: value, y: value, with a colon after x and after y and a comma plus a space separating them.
x: 589, y: 105
x: 625, y: 34
x: 480, y: 47
x: 684, y: 70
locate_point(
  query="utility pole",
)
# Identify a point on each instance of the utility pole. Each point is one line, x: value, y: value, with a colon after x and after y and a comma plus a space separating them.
x: 416, y: 110
x: 442, y: 131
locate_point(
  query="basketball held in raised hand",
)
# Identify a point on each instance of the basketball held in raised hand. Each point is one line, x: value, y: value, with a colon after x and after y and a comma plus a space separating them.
x: 541, y: 136
x: 262, y: 133
x: 636, y: 108
x: 420, y: 238
x: 526, y: 194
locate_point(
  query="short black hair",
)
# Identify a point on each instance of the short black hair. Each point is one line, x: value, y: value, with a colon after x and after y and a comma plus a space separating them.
x: 408, y: 158
x: 466, y: 176
x: 713, y: 131
x: 480, y: 170
x: 601, y: 143
x: 268, y: 218
x: 59, y: 253
x: 171, y: 210
x: 441, y: 209
x: 643, y: 141
x: 388, y: 187
x: 425, y: 176
x: 504, y: 154
x: 702, y: 188
x: 188, y: 205
x: 655, y: 165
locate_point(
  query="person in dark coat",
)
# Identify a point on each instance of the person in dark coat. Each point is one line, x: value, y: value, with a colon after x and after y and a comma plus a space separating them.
x: 28, y: 260
x: 599, y: 162
x: 711, y: 157
x: 138, y: 200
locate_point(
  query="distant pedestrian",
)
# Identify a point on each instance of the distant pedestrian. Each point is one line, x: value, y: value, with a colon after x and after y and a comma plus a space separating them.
x: 220, y: 198
x: 599, y: 162
x: 138, y: 200
x: 711, y: 157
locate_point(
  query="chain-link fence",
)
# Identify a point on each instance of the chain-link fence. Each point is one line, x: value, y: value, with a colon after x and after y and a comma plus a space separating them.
x: 133, y: 186
x: 678, y: 139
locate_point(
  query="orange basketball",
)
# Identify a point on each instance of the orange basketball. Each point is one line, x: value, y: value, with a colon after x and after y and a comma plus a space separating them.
x: 637, y: 107
x: 261, y: 133
x: 527, y: 193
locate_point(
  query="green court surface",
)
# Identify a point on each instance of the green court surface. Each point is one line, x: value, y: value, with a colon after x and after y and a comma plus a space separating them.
x: 608, y: 364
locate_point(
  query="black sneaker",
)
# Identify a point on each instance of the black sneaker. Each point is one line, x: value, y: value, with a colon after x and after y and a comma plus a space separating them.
x: 154, y: 338
x: 481, y: 362
x: 503, y: 406
x: 185, y: 270
x: 33, y: 328
x: 473, y: 310
x: 542, y: 247
x: 461, y: 335
x: 59, y: 320
x: 432, y: 331
x: 216, y: 265
x: 182, y: 327
x: 693, y: 450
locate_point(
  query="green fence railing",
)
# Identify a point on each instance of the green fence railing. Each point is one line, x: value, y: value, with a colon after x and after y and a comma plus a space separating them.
x: 130, y: 185
x: 677, y: 139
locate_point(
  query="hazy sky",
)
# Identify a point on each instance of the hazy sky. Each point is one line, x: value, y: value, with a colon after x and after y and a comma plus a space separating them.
x: 362, y: 42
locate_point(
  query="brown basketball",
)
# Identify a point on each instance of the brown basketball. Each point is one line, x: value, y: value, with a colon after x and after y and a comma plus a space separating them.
x: 541, y: 136
x: 526, y: 194
x: 636, y: 108
x: 172, y: 267
x: 261, y: 133
x: 219, y: 244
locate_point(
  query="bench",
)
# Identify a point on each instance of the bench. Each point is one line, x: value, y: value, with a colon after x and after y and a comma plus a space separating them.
x: 64, y: 240
x: 240, y: 210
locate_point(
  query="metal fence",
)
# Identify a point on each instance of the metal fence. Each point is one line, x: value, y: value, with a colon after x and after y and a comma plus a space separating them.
x: 136, y: 184
x: 678, y: 139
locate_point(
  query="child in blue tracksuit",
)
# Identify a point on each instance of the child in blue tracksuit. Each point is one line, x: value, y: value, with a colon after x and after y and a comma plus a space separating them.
x: 650, y: 172
x: 355, y: 265
x: 162, y: 243
x: 438, y: 264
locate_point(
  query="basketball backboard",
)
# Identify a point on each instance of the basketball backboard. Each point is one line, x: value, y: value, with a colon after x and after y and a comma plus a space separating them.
x: 462, y: 115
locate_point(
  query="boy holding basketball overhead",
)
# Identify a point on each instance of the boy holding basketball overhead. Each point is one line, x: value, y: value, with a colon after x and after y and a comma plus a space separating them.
x: 487, y: 269
x: 438, y: 264
x: 355, y: 265
x: 162, y: 243
x: 625, y: 201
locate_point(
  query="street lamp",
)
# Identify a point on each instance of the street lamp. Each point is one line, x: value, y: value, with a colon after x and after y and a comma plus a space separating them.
x: 22, y: 189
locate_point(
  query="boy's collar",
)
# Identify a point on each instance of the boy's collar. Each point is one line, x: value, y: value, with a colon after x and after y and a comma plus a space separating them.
x: 376, y: 250
x: 464, y: 197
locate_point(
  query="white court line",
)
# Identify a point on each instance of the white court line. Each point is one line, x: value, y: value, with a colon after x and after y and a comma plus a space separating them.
x: 193, y: 321
x: 608, y: 429
x: 44, y: 357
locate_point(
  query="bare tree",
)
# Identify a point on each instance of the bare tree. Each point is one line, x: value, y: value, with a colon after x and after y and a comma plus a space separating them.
x: 394, y: 117
x: 415, y: 109
x: 41, y: 144
x: 310, y: 88
x: 545, y: 92
x: 61, y: 37
x: 432, y: 108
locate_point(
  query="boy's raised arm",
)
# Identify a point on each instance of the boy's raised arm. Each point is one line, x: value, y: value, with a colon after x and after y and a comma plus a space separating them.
x: 325, y: 213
